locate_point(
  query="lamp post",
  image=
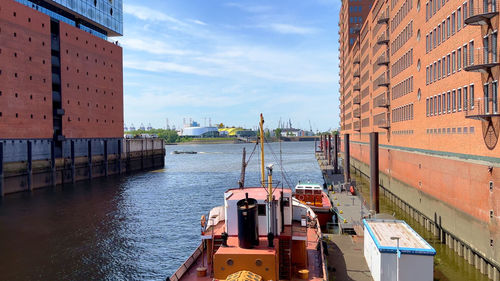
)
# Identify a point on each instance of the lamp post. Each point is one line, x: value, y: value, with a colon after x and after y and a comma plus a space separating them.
x: 398, y: 255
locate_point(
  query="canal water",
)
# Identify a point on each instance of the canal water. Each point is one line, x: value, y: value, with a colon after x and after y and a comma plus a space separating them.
x: 448, y: 265
x: 137, y: 227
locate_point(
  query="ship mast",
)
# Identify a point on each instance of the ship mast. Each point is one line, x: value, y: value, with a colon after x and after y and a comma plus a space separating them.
x: 262, y: 173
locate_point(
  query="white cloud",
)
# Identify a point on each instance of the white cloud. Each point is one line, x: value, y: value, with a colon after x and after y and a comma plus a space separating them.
x: 148, y: 14
x: 152, y: 46
x: 162, y: 66
x: 199, y: 22
x: 290, y: 29
x: 250, y: 8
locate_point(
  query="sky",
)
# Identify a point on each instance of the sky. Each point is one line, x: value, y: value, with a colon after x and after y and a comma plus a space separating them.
x: 228, y: 61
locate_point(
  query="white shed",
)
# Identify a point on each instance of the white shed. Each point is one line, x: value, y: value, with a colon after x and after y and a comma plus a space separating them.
x: 416, y: 259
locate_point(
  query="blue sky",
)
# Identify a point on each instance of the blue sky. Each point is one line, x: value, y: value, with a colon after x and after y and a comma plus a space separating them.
x: 230, y: 61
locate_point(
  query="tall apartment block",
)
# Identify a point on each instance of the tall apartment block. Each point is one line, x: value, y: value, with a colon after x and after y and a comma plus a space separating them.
x: 424, y: 76
x: 61, y: 90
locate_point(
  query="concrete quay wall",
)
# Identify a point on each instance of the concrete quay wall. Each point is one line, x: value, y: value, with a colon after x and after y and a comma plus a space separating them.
x: 22, y: 170
x: 474, y: 239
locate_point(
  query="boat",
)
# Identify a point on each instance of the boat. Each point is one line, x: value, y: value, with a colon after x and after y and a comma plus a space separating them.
x: 312, y: 194
x: 260, y: 233
x: 183, y: 152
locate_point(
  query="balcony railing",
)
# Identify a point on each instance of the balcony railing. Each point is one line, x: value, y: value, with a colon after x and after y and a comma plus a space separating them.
x: 383, y: 80
x: 357, y: 60
x: 383, y: 18
x: 356, y: 74
x: 482, y: 12
x: 483, y: 109
x: 356, y: 99
x: 382, y: 120
x: 357, y: 126
x: 383, y: 60
x: 356, y: 113
x: 482, y: 60
x: 383, y: 39
x: 382, y: 100
x: 356, y: 87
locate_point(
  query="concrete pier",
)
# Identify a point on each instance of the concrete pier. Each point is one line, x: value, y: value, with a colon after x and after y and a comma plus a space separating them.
x: 82, y: 160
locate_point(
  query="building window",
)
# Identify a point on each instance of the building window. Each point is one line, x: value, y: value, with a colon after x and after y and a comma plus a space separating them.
x: 471, y: 95
x: 465, y: 97
x: 448, y: 65
x: 459, y: 59
x: 459, y: 19
x: 427, y: 107
x: 443, y: 98
x: 471, y: 52
x: 494, y: 96
x: 454, y: 100
x: 459, y: 99
x: 453, y: 61
x: 448, y: 27
x: 453, y: 23
x: 486, y: 98
x: 465, y: 55
x: 494, y: 46
x: 448, y: 101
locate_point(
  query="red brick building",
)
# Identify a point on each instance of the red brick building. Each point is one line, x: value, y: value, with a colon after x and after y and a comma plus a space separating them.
x: 423, y: 74
x: 60, y: 78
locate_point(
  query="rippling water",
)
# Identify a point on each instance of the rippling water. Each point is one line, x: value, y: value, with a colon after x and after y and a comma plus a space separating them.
x: 137, y: 227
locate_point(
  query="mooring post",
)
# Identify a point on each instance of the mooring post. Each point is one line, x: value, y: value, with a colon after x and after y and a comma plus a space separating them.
x: 89, y: 158
x: 329, y: 149
x: 347, y: 159
x: 30, y: 166
x: 73, y: 172
x: 374, y: 167
x: 1, y: 170
x: 336, y: 153
x: 53, y: 162
x: 119, y: 156
x: 106, y: 158
x: 164, y: 153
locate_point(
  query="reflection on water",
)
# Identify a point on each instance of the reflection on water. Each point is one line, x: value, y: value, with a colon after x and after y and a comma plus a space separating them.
x: 448, y: 266
x: 137, y: 227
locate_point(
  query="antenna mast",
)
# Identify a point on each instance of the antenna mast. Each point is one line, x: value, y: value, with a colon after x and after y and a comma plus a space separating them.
x: 262, y: 172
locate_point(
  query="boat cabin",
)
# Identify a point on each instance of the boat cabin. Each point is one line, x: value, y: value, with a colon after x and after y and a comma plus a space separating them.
x: 310, y: 193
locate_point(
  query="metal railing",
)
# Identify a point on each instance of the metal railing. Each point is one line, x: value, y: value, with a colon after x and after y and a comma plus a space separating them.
x: 482, y: 12
x: 382, y: 100
x: 383, y: 39
x: 356, y: 99
x: 481, y: 59
x: 382, y: 120
x: 383, y: 18
x: 357, y: 126
x: 356, y: 73
x: 356, y: 59
x: 356, y: 113
x: 356, y: 87
x: 383, y: 80
x: 383, y: 59
x: 483, y: 108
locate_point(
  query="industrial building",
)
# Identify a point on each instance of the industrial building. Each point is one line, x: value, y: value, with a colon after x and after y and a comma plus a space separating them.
x: 424, y: 76
x: 61, y: 91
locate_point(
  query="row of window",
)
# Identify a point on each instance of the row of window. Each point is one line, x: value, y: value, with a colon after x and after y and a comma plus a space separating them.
x: 445, y: 29
x: 77, y: 54
x: 355, y: 9
x: 356, y: 19
x: 16, y: 95
x: 450, y: 63
x: 403, y: 132
x: 432, y: 6
x: 31, y: 116
x: 402, y: 88
x: 402, y: 38
x: 402, y: 63
x: 451, y: 101
x: 401, y: 14
x: 458, y: 130
x: 88, y: 120
x: 402, y: 113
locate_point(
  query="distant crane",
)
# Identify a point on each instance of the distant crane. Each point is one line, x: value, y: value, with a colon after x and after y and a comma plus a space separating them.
x: 310, y: 126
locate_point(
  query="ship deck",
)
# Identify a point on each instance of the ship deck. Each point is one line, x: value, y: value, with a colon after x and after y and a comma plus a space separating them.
x: 188, y: 271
